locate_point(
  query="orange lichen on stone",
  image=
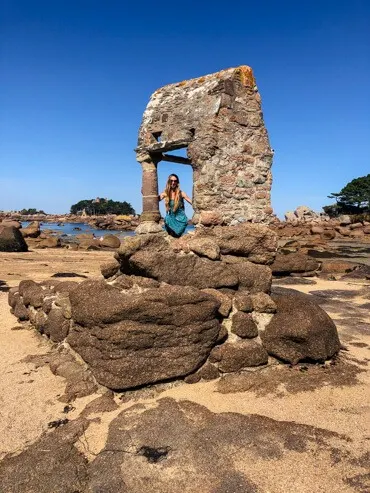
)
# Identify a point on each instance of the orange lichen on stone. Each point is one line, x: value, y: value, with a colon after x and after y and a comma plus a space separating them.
x: 246, y: 76
x: 244, y: 73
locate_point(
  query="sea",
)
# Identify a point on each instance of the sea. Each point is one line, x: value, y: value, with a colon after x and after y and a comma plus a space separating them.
x: 68, y: 230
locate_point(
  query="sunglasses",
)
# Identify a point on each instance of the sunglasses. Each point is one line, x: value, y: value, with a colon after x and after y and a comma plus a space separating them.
x: 174, y: 181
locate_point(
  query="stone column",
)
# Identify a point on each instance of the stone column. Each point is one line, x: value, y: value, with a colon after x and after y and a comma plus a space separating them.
x: 150, y: 216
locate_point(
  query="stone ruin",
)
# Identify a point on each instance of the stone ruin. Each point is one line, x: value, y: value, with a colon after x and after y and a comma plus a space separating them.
x: 218, y: 118
x: 199, y: 306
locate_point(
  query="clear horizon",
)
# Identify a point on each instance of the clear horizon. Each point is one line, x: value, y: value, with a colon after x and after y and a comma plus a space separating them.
x: 75, y: 78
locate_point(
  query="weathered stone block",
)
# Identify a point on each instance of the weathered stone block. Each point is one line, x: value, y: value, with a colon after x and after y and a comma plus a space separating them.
x: 243, y: 325
x: 236, y: 356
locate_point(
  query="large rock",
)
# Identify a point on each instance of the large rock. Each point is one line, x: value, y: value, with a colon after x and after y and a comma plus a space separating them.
x: 337, y: 266
x: 300, y: 329
x: 130, y: 340
x: 185, y: 270
x: 50, y: 242
x: 11, y: 240
x: 32, y: 230
x: 10, y: 223
x: 152, y: 256
x: 110, y: 241
x: 255, y: 242
x: 293, y: 262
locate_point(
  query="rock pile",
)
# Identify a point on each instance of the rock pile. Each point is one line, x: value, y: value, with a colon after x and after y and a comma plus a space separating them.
x: 306, y: 223
x: 115, y: 222
x: 191, y: 308
x: 111, y: 222
x: 14, y: 238
x: 306, y: 215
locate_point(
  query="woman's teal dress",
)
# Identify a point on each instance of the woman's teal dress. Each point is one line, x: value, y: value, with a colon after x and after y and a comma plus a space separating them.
x: 176, y: 222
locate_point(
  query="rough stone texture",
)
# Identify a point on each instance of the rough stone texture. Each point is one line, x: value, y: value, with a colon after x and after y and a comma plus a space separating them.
x: 52, y: 464
x: 300, y: 329
x: 20, y: 311
x: 65, y: 286
x: 224, y: 299
x: 253, y: 277
x: 33, y: 294
x: 10, y: 223
x: 109, y: 269
x: 11, y: 240
x: 236, y: 356
x: 182, y: 270
x: 152, y: 256
x: 110, y: 241
x: 205, y: 247
x: 243, y: 301
x: 32, y: 230
x: 337, y: 266
x: 328, y: 234
x: 130, y: 340
x: 56, y: 326
x: 50, y: 242
x: 243, y: 325
x: 262, y: 302
x: 255, y: 242
x: 293, y: 262
x: 208, y: 371
x: 183, y: 447
x: 218, y: 118
x: 79, y: 380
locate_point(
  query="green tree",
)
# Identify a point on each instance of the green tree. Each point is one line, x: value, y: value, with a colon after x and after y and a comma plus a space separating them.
x: 353, y: 198
x: 102, y: 207
x: 30, y: 212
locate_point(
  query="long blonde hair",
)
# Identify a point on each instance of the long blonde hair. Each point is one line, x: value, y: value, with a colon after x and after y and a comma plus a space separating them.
x: 167, y: 193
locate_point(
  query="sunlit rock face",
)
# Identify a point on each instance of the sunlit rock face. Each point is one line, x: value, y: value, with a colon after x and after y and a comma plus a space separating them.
x: 218, y: 118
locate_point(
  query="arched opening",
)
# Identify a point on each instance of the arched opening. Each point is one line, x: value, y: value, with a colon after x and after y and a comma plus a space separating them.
x: 184, y: 172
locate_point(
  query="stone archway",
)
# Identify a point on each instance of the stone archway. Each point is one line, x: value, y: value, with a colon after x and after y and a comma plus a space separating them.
x: 218, y: 118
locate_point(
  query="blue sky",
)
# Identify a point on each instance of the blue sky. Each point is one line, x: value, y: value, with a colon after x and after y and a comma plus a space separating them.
x: 75, y: 77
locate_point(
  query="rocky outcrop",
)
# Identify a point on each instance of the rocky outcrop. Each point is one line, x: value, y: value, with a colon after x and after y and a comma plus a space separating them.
x: 11, y: 240
x: 164, y: 311
x: 320, y: 227
x: 306, y: 215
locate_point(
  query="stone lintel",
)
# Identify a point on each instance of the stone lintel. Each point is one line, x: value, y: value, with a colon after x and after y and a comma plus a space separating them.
x: 160, y: 147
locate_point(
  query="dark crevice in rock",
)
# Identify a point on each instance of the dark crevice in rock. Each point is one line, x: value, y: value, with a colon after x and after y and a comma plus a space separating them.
x: 154, y: 455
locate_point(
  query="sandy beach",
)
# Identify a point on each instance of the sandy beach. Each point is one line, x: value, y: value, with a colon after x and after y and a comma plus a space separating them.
x: 332, y: 399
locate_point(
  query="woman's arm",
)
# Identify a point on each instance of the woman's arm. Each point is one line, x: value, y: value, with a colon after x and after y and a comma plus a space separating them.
x: 161, y: 196
x: 185, y: 197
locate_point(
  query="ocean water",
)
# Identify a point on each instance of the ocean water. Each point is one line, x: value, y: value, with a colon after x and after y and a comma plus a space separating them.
x: 69, y: 229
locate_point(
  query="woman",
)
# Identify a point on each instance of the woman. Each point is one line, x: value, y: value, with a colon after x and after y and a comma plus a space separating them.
x: 175, y: 221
